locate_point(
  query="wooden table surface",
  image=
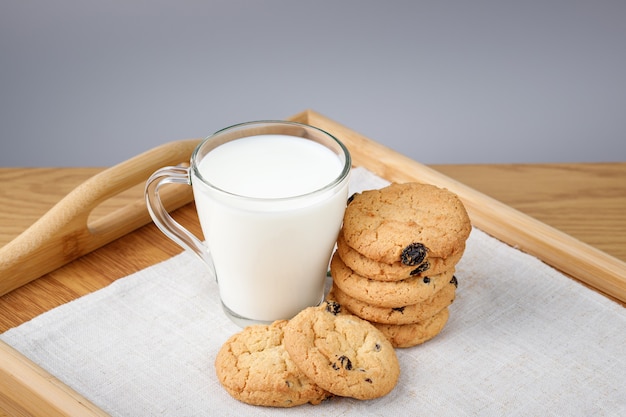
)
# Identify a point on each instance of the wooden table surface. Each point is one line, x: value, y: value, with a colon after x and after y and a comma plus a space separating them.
x: 586, y: 201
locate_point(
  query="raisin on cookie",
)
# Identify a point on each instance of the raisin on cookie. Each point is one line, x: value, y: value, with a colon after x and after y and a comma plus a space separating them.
x: 407, y: 223
x: 386, y: 294
x: 402, y: 314
x: 396, y: 271
x: 343, y: 354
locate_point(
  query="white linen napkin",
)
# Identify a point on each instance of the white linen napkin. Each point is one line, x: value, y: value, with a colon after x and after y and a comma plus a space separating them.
x: 522, y: 339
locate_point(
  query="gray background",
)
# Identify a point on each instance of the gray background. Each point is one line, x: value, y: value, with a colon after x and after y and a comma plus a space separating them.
x: 92, y: 83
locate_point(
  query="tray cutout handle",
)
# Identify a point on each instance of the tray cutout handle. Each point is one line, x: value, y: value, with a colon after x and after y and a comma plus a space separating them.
x: 66, y: 232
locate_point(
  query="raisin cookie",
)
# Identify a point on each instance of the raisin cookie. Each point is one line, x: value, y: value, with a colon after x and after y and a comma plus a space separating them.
x: 396, y: 271
x: 407, y: 314
x: 406, y: 223
x: 386, y: 294
x: 342, y: 353
x: 413, y: 334
x: 254, y: 367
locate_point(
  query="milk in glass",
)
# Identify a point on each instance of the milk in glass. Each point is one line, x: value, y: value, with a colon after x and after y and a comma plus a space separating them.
x: 276, y: 212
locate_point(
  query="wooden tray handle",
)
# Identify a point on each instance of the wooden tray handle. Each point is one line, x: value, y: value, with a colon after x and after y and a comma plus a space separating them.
x: 64, y: 232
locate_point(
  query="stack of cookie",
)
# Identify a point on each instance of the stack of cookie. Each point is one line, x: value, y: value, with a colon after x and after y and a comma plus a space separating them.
x: 396, y: 257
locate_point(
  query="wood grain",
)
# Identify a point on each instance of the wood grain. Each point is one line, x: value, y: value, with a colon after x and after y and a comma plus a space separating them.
x: 586, y: 201
x: 68, y: 230
x: 27, y: 390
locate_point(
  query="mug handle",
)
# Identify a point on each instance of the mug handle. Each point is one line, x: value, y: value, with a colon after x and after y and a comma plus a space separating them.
x: 164, y: 221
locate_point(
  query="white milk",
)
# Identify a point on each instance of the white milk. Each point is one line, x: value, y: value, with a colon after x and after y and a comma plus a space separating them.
x: 271, y: 251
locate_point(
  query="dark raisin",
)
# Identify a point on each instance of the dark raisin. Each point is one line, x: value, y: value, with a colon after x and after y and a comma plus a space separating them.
x: 423, y: 267
x: 333, y: 307
x: 454, y: 281
x: 413, y: 254
x: 368, y: 380
x: 426, y: 280
x: 351, y: 198
x: 335, y: 366
x: 399, y: 309
x: 345, y: 362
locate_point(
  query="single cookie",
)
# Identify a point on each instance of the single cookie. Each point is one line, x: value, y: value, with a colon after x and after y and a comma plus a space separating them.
x: 254, y: 367
x: 406, y: 223
x: 408, y: 335
x: 386, y: 294
x: 342, y: 353
x: 396, y: 271
x: 413, y: 313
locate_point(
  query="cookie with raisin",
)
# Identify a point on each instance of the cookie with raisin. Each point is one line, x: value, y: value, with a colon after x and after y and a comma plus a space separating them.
x: 343, y: 354
x: 386, y: 294
x: 408, y: 223
x: 396, y: 271
x: 413, y: 334
x: 254, y: 367
x: 405, y: 314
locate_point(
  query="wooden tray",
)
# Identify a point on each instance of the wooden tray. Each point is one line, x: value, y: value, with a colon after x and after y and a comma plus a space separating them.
x: 26, y: 389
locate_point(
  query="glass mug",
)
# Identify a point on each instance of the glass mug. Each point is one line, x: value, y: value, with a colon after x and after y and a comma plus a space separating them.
x: 270, y: 197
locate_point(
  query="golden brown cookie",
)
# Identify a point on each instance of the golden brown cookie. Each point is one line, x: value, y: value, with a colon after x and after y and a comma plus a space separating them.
x: 254, y: 367
x: 342, y: 353
x: 386, y: 294
x: 406, y: 223
x: 396, y: 271
x: 413, y: 313
x: 408, y: 335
